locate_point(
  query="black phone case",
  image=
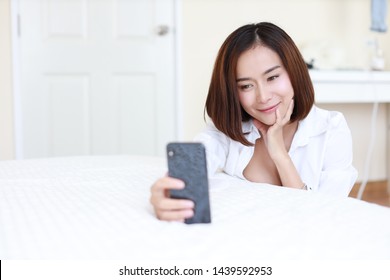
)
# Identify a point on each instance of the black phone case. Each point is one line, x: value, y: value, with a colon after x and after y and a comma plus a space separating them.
x: 187, y: 161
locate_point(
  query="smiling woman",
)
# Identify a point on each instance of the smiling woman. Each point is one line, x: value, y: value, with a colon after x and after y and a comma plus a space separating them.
x: 240, y: 57
x: 264, y: 127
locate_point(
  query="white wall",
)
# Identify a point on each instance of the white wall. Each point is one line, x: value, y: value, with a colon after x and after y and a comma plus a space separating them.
x: 335, y: 32
x: 6, y: 105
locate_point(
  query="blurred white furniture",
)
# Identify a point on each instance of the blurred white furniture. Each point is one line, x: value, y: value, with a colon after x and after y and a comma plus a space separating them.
x: 351, y: 86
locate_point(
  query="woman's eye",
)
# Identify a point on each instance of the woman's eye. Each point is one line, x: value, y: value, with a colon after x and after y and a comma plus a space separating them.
x: 272, y: 78
x: 245, y: 87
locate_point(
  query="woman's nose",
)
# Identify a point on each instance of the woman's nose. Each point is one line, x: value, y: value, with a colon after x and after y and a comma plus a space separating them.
x: 263, y: 95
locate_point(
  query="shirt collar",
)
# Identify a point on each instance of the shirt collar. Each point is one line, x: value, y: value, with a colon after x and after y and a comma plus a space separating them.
x: 248, y: 127
x: 315, y: 123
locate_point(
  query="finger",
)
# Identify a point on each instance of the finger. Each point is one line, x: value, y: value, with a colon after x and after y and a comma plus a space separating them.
x: 279, y: 119
x: 180, y: 215
x: 165, y: 183
x: 290, y: 110
x: 286, y: 118
x: 174, y: 204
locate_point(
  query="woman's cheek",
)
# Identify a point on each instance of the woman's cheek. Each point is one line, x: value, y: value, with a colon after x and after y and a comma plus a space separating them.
x: 245, y: 100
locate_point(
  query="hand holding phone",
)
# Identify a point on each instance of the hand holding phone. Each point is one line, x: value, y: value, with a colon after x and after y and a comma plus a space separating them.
x: 187, y: 162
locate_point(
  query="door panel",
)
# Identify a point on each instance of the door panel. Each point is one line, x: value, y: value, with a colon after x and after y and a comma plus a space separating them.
x: 138, y: 133
x: 68, y: 93
x: 96, y: 78
x: 64, y: 18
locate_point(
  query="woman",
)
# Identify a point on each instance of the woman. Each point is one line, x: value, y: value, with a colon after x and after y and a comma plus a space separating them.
x: 265, y: 127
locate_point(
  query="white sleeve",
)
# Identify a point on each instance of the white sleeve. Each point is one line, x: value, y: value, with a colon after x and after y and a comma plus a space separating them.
x: 216, y: 144
x: 338, y: 175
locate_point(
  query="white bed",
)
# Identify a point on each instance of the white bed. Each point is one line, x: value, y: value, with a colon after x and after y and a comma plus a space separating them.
x: 97, y: 207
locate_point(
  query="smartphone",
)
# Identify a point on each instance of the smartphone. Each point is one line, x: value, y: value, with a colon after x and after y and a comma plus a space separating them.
x: 187, y: 161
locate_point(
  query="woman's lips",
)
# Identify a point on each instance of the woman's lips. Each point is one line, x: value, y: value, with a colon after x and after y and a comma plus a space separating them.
x: 269, y: 109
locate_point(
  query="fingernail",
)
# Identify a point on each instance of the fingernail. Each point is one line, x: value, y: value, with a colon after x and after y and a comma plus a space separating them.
x: 189, y: 204
x: 189, y: 214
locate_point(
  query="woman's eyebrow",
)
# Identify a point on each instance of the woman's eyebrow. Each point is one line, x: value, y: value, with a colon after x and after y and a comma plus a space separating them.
x: 271, y: 69
x: 265, y: 73
x: 243, y: 79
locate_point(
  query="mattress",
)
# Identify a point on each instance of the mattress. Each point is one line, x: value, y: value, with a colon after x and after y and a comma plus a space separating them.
x: 97, y: 207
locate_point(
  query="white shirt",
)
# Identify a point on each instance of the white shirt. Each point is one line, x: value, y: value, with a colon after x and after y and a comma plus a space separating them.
x: 321, y: 151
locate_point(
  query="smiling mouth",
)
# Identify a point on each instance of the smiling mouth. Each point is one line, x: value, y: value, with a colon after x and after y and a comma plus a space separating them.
x: 269, y: 109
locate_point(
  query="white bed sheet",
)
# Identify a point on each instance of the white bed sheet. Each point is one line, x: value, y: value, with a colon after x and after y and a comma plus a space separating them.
x: 97, y: 207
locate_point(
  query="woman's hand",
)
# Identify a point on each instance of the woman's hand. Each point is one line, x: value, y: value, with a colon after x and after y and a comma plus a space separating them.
x: 277, y: 147
x: 273, y: 135
x: 170, y: 209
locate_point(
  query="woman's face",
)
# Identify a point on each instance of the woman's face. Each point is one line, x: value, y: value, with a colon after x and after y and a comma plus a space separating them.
x: 263, y: 84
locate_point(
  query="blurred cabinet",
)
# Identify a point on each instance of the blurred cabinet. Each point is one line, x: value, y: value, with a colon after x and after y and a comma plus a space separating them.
x: 351, y: 86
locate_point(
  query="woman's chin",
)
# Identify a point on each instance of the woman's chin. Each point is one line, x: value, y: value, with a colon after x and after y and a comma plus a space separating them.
x: 267, y: 121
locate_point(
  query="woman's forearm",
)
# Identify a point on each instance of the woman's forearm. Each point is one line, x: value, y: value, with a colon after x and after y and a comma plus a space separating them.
x: 288, y: 173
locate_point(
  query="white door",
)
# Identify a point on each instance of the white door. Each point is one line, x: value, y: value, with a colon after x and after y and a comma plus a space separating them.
x: 97, y: 77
